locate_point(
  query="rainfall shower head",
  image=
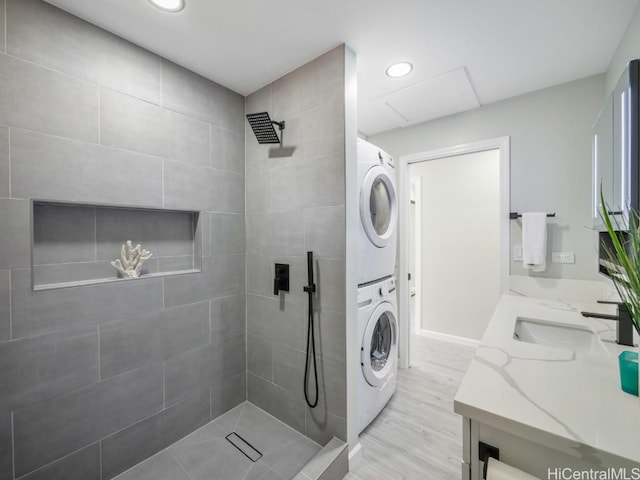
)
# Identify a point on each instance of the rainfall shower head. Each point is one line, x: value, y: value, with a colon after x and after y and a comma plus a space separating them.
x: 262, y: 126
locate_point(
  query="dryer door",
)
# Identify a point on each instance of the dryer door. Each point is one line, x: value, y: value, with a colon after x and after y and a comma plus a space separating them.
x: 378, y: 206
x: 379, y: 350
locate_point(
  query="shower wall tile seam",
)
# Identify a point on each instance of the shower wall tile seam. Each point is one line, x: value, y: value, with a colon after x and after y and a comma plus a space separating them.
x: 270, y: 380
x: 160, y: 103
x: 195, y: 165
x: 50, y: 69
x: 66, y: 455
x: 9, y: 153
x: 4, y: 26
x: 62, y: 137
x: 99, y: 99
x: 301, y: 113
x: 96, y: 144
x: 210, y: 145
x: 162, y: 186
x: 95, y: 235
x: 100, y: 457
x: 99, y: 88
x: 91, y: 32
x: 303, y: 257
x: 147, y: 417
x: 222, y: 170
x: 276, y: 168
x: 10, y: 309
x: 161, y: 84
x: 99, y: 355
x: 13, y: 448
x: 294, y: 302
x: 209, y: 321
x: 273, y: 363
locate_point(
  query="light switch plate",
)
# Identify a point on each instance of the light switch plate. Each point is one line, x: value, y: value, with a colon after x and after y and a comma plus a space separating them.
x: 516, y: 254
x: 563, y: 257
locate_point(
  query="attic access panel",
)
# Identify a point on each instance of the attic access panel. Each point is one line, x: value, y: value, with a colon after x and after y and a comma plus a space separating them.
x: 436, y: 97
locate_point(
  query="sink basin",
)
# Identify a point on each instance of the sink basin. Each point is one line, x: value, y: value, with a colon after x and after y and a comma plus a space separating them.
x: 559, y: 335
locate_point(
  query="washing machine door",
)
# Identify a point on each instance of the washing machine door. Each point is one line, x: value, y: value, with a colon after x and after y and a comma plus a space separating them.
x: 378, y: 206
x: 379, y: 350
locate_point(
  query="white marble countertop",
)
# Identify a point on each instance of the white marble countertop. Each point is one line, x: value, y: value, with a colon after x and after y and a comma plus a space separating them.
x: 551, y: 396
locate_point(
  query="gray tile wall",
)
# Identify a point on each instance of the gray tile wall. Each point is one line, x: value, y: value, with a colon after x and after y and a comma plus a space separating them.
x: 293, y: 205
x: 97, y: 378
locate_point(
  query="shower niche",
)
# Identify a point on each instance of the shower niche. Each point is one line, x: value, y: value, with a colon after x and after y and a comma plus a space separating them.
x: 73, y: 244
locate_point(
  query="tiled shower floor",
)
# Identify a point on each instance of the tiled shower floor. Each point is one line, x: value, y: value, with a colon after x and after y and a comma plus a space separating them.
x: 207, y: 455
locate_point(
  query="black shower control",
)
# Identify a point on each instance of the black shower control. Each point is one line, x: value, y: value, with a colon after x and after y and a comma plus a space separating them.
x: 281, y: 282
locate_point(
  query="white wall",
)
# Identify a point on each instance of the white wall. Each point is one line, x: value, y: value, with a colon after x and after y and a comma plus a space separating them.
x: 460, y: 212
x: 550, y: 134
x: 628, y: 49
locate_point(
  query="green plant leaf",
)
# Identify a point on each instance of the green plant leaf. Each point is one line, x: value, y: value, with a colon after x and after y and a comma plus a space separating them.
x: 624, y: 259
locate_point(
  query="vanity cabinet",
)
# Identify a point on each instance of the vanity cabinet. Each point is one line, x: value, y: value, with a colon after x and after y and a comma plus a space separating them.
x: 546, y: 402
x: 536, y: 453
x: 615, y: 150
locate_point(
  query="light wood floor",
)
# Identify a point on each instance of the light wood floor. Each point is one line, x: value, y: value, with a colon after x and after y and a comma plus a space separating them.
x: 417, y: 436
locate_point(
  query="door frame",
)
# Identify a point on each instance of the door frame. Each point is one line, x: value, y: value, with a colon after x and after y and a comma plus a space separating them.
x: 416, y: 185
x: 503, y: 145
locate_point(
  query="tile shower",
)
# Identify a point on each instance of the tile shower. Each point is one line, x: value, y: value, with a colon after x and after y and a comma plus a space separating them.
x: 97, y: 378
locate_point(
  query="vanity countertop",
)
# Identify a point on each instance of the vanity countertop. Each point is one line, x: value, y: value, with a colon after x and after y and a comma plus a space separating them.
x: 549, y: 395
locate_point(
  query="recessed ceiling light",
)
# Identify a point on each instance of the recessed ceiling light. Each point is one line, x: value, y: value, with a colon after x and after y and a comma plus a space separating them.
x: 168, y: 5
x: 399, y: 69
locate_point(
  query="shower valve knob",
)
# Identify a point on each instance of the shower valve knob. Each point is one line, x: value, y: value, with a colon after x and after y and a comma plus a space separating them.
x: 281, y: 280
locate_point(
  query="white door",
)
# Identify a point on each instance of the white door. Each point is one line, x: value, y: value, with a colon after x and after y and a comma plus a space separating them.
x: 461, y: 242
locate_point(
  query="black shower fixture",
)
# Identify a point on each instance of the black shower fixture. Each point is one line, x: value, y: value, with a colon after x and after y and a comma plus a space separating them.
x: 262, y: 126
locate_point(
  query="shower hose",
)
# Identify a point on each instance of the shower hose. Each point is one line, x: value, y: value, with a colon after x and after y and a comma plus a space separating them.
x: 311, y: 341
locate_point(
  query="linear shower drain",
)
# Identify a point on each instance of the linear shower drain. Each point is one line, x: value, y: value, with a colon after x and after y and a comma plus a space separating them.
x: 245, y: 447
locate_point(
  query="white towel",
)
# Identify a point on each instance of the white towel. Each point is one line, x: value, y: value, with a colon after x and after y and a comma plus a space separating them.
x: 534, y: 241
x: 497, y: 470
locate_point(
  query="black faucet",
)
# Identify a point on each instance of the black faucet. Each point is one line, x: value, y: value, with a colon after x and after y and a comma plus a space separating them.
x: 624, y: 328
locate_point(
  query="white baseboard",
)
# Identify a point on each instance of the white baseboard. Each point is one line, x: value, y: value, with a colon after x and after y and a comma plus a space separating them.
x: 449, y: 338
x: 355, y: 455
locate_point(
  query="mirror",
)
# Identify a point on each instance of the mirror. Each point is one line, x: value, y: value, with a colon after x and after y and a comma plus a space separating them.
x: 603, y: 170
x: 615, y: 150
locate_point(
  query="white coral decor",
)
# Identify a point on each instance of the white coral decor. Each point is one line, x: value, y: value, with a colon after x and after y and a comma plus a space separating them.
x: 131, y: 259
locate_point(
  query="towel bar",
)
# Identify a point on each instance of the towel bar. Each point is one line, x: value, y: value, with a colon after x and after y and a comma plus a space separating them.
x: 514, y: 215
x: 484, y: 452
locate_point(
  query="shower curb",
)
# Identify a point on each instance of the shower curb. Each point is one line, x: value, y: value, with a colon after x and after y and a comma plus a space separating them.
x: 330, y: 463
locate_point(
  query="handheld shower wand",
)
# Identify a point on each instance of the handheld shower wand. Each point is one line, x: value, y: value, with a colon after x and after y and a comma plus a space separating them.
x: 311, y: 341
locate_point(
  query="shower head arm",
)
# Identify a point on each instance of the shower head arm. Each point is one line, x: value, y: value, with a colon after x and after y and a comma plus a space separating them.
x: 281, y: 128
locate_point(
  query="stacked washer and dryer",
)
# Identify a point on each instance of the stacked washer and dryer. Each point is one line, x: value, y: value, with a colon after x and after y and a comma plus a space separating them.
x: 377, y: 301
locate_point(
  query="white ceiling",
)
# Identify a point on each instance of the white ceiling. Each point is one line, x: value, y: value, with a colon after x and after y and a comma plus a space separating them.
x: 506, y: 47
